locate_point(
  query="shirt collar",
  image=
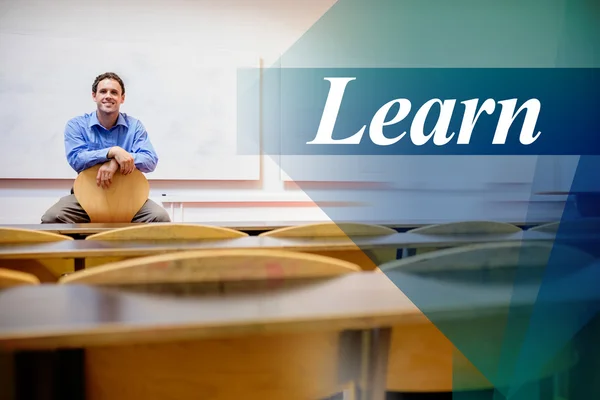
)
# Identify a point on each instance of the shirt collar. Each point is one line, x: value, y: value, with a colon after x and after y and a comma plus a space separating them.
x: 120, y: 120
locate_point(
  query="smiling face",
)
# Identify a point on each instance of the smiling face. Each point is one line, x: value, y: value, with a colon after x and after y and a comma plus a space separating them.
x: 108, y: 96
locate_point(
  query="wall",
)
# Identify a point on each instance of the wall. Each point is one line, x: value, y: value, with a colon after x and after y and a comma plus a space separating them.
x: 265, y: 27
x: 268, y: 27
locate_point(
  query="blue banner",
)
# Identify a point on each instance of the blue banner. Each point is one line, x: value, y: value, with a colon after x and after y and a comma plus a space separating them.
x: 426, y: 111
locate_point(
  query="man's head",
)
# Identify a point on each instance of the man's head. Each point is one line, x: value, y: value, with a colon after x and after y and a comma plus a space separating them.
x: 108, y: 92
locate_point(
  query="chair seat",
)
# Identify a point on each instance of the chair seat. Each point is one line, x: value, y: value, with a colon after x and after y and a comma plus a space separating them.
x: 9, y: 278
x: 119, y: 203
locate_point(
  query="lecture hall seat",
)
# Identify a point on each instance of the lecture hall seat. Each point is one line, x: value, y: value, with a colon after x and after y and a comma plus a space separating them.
x: 223, y: 265
x: 422, y: 359
x: 10, y: 278
x: 368, y: 260
x: 46, y: 270
x: 579, y: 226
x: 253, y: 366
x: 460, y: 227
x: 117, y: 204
x: 160, y: 232
x: 571, y: 226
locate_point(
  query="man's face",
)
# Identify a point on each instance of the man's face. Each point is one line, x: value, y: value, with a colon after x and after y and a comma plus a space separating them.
x: 108, y: 96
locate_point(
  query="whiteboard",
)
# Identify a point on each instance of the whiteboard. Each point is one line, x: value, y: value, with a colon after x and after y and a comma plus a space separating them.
x: 185, y: 97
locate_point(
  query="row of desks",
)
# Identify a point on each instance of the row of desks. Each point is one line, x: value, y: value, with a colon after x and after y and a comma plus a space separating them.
x: 127, y: 330
x: 175, y: 317
x: 45, y: 317
x: 245, y: 226
x: 109, y: 248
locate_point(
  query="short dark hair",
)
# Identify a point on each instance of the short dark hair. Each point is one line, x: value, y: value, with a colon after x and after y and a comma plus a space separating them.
x: 108, y: 75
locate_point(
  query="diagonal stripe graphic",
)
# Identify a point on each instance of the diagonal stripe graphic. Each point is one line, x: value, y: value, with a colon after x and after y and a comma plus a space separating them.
x: 523, y: 316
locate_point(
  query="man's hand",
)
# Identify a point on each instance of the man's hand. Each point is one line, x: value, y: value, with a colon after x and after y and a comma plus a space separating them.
x: 123, y: 158
x: 106, y: 173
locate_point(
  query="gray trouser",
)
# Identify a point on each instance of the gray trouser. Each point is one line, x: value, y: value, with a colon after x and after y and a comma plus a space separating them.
x: 68, y: 211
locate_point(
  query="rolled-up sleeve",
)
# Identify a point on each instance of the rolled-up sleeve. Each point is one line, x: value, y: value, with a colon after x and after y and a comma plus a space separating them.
x: 144, y: 155
x: 79, y: 156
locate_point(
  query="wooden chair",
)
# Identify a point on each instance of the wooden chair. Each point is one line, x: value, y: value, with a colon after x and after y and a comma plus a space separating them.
x: 119, y: 203
x: 422, y: 358
x: 10, y: 278
x: 367, y: 259
x: 462, y: 227
x: 251, y: 366
x: 551, y: 227
x: 583, y: 225
x: 45, y: 270
x: 160, y: 232
x: 213, y: 266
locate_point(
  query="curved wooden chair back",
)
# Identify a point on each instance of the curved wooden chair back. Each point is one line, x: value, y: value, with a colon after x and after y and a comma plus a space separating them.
x: 158, y: 232
x: 462, y: 227
x: 213, y: 266
x: 466, y: 227
x: 367, y: 259
x: 310, y: 359
x: 293, y: 366
x: 421, y: 357
x: 20, y: 236
x: 10, y: 278
x: 584, y: 225
x: 551, y: 227
x: 487, y: 257
x: 168, y: 231
x: 45, y: 270
x: 119, y: 203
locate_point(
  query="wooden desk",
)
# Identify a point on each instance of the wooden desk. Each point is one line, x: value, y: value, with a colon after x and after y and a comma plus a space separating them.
x: 102, y: 318
x: 249, y: 226
x: 47, y: 318
x: 199, y: 327
x: 80, y: 249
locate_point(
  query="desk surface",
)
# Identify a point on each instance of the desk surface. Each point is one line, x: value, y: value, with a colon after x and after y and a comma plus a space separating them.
x: 109, y: 248
x: 46, y: 316
x: 91, y: 228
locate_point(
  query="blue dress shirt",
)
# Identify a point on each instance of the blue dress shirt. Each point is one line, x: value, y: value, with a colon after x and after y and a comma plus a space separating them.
x: 87, y: 142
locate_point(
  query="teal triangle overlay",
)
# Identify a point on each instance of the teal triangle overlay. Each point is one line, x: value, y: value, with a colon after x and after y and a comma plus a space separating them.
x: 553, y: 328
x: 435, y: 33
x: 508, y: 338
x: 465, y: 33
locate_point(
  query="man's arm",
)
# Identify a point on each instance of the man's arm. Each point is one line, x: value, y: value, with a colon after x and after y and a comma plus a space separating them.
x: 143, y: 152
x: 79, y: 156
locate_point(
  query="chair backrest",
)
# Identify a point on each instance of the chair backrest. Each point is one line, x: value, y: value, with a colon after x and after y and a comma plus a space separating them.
x: 331, y: 229
x: 19, y: 235
x: 46, y: 270
x: 10, y: 278
x: 574, y: 226
x: 158, y: 232
x: 366, y: 259
x: 119, y: 203
x: 168, y: 231
x: 423, y: 357
x: 551, y: 227
x: 466, y: 227
x: 487, y: 258
x: 460, y: 227
x: 213, y: 266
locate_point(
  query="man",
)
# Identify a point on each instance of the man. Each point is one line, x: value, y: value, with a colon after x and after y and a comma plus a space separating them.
x: 113, y: 139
